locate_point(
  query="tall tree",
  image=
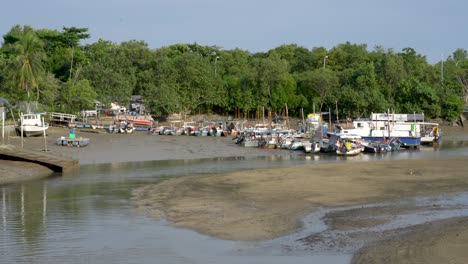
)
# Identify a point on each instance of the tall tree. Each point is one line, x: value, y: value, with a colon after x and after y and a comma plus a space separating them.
x: 27, y: 67
x: 318, y: 85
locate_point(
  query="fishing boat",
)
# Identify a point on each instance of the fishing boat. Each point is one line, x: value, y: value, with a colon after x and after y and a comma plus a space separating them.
x: 430, y: 133
x: 31, y: 125
x: 126, y: 127
x: 297, y: 143
x: 311, y: 147
x: 382, y: 146
x: 73, y: 142
x: 338, y: 140
x: 250, y: 142
x: 348, y: 146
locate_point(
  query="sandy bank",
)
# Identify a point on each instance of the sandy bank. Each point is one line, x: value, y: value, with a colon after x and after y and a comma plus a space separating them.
x: 266, y: 203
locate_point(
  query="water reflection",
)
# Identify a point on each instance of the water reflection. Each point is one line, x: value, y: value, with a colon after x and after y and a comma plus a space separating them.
x: 4, y: 208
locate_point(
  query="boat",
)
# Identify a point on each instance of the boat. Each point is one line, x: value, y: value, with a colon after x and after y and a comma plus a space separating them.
x: 348, y: 147
x: 430, y: 133
x: 250, y: 141
x: 336, y: 140
x: 382, y: 146
x: 31, y: 125
x: 311, y: 147
x: 141, y: 122
x: 73, y: 142
x: 126, y: 127
x: 381, y: 127
x: 191, y: 128
x: 268, y: 142
x: 297, y: 143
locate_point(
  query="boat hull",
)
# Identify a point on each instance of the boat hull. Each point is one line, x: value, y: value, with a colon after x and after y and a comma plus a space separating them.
x: 351, y: 152
x: 406, y: 142
x: 31, y: 131
x: 75, y: 142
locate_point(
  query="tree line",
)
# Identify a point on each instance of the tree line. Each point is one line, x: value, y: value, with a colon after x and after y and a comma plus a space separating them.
x: 53, y: 68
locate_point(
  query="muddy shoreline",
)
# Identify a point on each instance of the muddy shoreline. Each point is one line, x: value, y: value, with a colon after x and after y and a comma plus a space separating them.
x: 264, y: 204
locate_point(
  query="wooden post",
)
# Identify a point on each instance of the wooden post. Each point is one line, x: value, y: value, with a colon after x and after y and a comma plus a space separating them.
x: 45, y: 138
x: 269, y: 119
x: 3, y: 128
x: 302, y: 113
x: 21, y: 124
x: 337, y: 119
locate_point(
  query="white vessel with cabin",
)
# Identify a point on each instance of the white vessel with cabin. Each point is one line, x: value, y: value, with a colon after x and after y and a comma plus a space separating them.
x: 381, y: 127
x: 31, y: 125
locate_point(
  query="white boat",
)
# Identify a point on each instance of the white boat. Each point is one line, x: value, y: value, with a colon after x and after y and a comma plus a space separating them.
x: 430, y: 133
x: 384, y: 126
x: 337, y: 141
x: 348, y: 146
x: 311, y: 147
x: 31, y: 125
x: 126, y: 127
x: 250, y: 142
x: 348, y: 152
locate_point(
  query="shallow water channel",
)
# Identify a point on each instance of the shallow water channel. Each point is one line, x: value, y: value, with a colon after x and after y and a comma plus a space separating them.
x: 88, y: 218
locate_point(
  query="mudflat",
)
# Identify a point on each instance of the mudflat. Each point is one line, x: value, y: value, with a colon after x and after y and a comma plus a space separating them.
x: 268, y: 203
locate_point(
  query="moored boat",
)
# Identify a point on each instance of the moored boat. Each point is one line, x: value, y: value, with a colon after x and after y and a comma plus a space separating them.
x: 31, y: 125
x: 336, y: 140
x: 73, y: 142
x: 348, y: 147
x: 381, y: 127
x: 311, y: 147
x: 430, y: 133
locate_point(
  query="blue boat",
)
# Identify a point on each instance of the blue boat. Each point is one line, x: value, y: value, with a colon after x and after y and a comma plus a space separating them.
x: 73, y: 142
x: 406, y: 142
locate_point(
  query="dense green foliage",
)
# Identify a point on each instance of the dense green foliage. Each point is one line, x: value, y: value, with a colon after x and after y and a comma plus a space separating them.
x: 53, y: 68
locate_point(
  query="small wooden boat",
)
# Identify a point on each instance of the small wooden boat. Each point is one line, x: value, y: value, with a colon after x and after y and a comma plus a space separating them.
x: 343, y: 144
x: 73, y: 142
x: 348, y: 147
x: 348, y: 152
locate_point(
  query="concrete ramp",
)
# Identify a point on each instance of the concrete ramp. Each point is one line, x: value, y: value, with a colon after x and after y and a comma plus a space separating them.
x: 56, y: 163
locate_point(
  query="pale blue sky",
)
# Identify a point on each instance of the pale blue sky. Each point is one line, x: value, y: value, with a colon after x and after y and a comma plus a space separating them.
x: 432, y: 28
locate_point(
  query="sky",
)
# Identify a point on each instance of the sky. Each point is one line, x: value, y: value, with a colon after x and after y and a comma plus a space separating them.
x: 435, y: 29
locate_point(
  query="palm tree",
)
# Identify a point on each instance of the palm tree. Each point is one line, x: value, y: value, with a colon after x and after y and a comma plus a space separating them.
x: 27, y: 65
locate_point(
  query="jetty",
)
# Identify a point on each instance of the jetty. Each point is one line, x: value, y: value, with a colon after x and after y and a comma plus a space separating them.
x: 62, y: 119
x: 56, y: 163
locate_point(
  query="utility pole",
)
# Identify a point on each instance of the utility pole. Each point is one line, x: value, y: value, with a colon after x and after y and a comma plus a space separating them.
x: 324, y: 61
x: 216, y: 61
